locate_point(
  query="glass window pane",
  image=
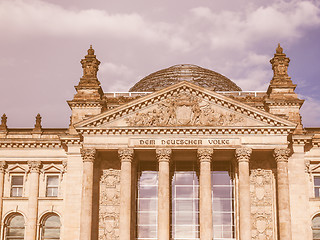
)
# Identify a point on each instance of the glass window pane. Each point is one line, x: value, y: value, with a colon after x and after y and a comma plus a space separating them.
x: 53, y: 221
x: 17, y: 180
x: 148, y: 192
x: 148, y: 178
x: 316, y: 234
x: 147, y: 204
x: 184, y: 192
x: 53, y: 180
x: 317, y: 180
x: 147, y: 218
x: 221, y: 178
x: 222, y: 205
x: 147, y: 231
x: 51, y: 233
x: 15, y: 232
x: 222, y: 192
x: 17, y: 221
x: 184, y: 178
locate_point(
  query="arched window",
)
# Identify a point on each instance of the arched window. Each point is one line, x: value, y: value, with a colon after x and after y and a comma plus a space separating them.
x: 50, y: 227
x: 14, y: 228
x: 316, y: 227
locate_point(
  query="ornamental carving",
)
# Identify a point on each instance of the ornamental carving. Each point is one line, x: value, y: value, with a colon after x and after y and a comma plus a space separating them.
x: 125, y: 154
x: 184, y: 109
x: 109, y: 204
x: 163, y: 154
x: 88, y: 154
x: 281, y: 154
x: 109, y: 226
x: 34, y: 166
x: 205, y: 154
x: 2, y: 166
x: 243, y: 154
x: 110, y: 178
x: 262, y: 203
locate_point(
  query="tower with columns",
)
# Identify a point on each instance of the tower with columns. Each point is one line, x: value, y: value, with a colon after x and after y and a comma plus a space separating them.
x: 192, y: 158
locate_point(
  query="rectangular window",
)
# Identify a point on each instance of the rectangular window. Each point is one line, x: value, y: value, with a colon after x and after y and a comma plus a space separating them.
x: 222, y: 201
x: 185, y: 200
x: 147, y: 200
x: 316, y: 181
x: 16, y: 186
x: 52, y: 186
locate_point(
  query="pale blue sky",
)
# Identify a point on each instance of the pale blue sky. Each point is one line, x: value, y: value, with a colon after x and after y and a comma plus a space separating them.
x: 42, y: 43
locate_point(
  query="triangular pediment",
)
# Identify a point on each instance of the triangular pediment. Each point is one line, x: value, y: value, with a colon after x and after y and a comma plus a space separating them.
x: 184, y: 105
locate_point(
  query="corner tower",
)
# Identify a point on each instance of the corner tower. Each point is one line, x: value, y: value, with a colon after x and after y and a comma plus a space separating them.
x: 281, y: 98
x: 88, y: 100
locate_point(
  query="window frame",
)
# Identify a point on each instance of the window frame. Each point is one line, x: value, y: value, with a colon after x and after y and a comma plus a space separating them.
x: 316, y: 187
x: 17, y: 186
x: 7, y: 226
x: 42, y: 225
x: 57, y: 187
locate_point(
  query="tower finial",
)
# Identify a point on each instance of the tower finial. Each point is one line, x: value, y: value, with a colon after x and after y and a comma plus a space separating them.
x: 90, y: 50
x: 37, y: 126
x: 3, y: 125
x: 279, y: 49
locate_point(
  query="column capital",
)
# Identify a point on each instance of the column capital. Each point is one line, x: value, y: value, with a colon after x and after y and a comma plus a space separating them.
x: 243, y: 154
x: 163, y: 154
x: 281, y: 154
x: 2, y: 166
x: 88, y: 154
x: 204, y: 154
x: 34, y: 166
x: 126, y: 154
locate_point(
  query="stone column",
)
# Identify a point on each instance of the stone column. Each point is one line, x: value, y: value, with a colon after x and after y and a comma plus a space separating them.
x: 2, y: 166
x: 281, y: 156
x: 204, y: 156
x: 163, y: 156
x: 126, y: 157
x: 88, y: 157
x: 33, y: 179
x: 243, y: 158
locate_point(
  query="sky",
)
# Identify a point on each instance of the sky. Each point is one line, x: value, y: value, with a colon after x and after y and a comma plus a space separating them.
x: 43, y: 41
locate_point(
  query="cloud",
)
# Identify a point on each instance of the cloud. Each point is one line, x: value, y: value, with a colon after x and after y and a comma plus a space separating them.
x: 310, y: 111
x: 120, y: 75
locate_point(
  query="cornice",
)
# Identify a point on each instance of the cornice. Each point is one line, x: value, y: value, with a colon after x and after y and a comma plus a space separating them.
x: 186, y: 131
x: 24, y: 143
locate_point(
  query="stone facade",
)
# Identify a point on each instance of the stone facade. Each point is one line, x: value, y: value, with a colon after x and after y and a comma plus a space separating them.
x: 89, y: 181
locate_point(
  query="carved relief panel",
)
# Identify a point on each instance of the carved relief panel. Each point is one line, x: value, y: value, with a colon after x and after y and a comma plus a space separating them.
x: 262, y: 202
x: 109, y: 202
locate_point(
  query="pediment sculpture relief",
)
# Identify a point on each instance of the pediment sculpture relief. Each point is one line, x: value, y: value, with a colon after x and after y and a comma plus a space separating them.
x: 184, y: 109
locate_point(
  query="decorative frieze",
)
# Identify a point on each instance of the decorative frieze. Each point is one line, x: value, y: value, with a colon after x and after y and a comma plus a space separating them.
x: 109, y: 205
x: 88, y: 154
x: 204, y: 154
x: 163, y: 154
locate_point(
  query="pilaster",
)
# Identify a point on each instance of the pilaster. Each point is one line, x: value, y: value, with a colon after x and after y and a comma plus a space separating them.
x: 163, y: 157
x: 88, y: 157
x: 34, y: 170
x: 281, y: 156
x: 204, y: 157
x: 126, y: 158
x: 243, y: 158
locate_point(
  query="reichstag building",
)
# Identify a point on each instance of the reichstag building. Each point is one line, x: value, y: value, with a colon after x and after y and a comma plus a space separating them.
x: 185, y: 154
